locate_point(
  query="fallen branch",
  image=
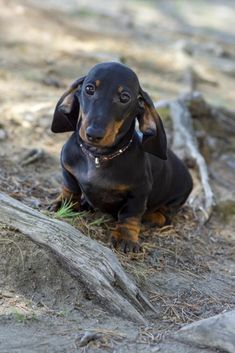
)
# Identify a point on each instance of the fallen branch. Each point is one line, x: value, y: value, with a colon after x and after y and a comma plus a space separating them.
x: 215, y: 332
x: 93, y: 264
x: 185, y: 145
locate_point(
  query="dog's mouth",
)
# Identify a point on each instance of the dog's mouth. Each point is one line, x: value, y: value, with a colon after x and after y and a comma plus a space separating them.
x: 108, y: 140
x: 105, y: 142
x: 99, y: 137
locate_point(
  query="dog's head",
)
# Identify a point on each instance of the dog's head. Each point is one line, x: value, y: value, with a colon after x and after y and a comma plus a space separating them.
x: 103, y: 105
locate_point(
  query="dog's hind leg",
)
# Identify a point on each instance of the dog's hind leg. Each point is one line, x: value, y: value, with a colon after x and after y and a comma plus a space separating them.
x: 162, y: 216
x: 159, y: 217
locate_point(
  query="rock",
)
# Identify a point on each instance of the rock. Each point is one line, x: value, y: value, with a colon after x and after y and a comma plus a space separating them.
x: 217, y: 332
x: 3, y: 134
x: 88, y: 337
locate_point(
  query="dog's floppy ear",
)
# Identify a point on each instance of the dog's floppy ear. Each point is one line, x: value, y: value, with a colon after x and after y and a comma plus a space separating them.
x: 150, y: 124
x: 67, y: 109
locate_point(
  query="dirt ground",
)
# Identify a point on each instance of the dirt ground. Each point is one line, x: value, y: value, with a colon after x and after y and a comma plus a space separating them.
x: 187, y: 272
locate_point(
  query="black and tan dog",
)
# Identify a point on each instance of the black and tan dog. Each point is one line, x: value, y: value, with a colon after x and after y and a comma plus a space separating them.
x: 107, y: 163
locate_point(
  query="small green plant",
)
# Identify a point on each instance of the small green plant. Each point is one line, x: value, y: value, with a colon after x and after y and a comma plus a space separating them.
x: 66, y: 211
x: 22, y: 318
x: 63, y: 313
x: 19, y: 317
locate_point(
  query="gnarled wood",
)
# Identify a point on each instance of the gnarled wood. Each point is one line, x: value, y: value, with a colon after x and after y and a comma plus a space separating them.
x: 94, y: 264
x: 185, y: 145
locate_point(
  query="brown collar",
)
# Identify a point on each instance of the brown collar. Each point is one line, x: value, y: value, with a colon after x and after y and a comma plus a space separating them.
x: 101, y: 158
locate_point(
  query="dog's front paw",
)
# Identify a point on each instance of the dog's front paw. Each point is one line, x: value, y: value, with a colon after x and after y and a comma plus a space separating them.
x: 125, y: 245
x: 125, y: 236
x: 67, y: 198
x: 54, y: 206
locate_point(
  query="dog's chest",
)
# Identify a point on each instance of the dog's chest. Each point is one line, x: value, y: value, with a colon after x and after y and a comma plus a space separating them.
x: 101, y: 186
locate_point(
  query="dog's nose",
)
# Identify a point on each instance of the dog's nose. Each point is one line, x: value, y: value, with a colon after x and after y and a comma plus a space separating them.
x: 94, y: 135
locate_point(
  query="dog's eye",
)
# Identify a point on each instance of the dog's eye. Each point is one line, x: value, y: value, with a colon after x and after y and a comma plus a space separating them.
x: 125, y: 97
x: 90, y: 89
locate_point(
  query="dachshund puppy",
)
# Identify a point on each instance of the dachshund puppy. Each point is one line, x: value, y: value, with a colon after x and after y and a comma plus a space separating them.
x: 107, y: 163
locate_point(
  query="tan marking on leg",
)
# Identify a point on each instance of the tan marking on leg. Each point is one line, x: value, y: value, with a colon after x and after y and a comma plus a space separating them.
x: 127, y: 230
x: 66, y: 195
x: 157, y: 218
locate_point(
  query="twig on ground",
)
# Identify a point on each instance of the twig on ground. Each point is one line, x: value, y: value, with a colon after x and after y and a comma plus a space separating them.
x: 185, y: 145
